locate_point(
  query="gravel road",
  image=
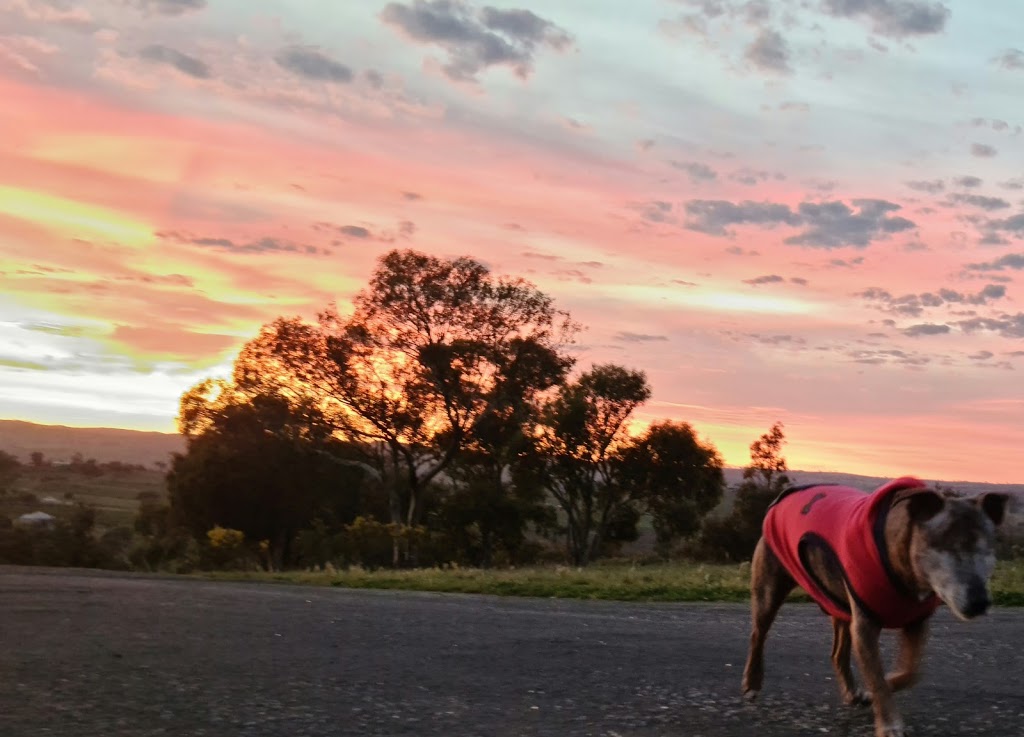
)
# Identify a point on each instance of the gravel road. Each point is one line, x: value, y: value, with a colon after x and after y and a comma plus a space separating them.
x: 97, y: 654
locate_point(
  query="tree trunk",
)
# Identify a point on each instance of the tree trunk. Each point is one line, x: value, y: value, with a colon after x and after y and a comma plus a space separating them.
x: 571, y: 548
x: 277, y: 551
x: 594, y: 548
x: 485, y: 545
x: 579, y: 534
x: 410, y: 518
x: 395, y: 507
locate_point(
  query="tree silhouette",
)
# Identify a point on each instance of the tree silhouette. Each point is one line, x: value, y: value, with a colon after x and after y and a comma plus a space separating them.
x: 582, y: 427
x: 10, y: 470
x: 433, y: 349
x: 259, y: 465
x: 495, y: 492
x: 678, y: 478
x: 735, y: 537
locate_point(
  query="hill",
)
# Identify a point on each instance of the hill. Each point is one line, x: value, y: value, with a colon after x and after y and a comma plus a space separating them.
x: 734, y: 476
x: 60, y: 443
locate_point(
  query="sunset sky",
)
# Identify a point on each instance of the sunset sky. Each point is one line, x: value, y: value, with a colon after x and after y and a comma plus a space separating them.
x: 809, y: 211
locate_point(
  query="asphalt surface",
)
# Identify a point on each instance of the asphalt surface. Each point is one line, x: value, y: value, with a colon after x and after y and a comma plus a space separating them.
x: 84, y: 653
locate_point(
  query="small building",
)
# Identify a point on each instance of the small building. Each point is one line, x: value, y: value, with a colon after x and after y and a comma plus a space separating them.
x: 38, y: 520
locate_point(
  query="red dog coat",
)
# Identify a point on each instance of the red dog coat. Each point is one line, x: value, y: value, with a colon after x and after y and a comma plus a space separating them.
x: 849, y: 525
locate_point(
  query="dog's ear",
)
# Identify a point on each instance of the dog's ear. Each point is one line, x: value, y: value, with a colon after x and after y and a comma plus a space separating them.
x: 923, y: 505
x: 994, y: 505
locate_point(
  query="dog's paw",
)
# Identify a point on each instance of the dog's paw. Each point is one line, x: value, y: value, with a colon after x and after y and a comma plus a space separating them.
x: 860, y: 697
x: 750, y: 695
x: 894, y: 729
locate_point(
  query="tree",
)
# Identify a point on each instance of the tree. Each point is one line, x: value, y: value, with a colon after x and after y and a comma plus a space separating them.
x: 581, y: 428
x: 735, y: 537
x: 38, y: 459
x: 678, y: 478
x: 495, y: 493
x: 767, y: 469
x: 433, y: 348
x: 10, y: 470
x: 259, y: 465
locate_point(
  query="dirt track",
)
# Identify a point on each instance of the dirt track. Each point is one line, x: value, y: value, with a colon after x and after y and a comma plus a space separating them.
x: 97, y: 654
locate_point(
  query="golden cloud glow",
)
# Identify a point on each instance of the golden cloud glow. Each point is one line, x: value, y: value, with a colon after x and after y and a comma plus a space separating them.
x: 719, y: 300
x: 154, y: 159
x: 73, y: 218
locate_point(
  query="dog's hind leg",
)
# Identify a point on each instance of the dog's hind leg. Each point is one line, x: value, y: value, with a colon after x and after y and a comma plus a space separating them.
x: 912, y: 641
x: 769, y: 586
x: 841, y: 662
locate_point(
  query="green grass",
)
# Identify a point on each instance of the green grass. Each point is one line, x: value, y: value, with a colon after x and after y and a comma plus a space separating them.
x: 675, y: 582
x: 1008, y: 583
x: 611, y: 581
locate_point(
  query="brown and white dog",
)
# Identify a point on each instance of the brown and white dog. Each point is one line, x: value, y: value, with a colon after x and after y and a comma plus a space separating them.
x: 874, y: 561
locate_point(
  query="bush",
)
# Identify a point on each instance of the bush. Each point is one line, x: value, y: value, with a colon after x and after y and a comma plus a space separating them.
x: 1010, y: 545
x: 71, y: 542
x: 225, y: 548
x: 115, y: 545
x: 174, y: 552
x: 732, y: 539
x: 318, y: 546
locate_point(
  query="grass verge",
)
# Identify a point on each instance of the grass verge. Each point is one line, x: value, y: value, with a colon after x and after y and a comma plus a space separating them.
x: 674, y: 582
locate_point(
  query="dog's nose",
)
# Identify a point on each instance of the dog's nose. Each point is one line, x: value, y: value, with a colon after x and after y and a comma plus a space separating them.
x: 977, y: 607
x: 978, y: 600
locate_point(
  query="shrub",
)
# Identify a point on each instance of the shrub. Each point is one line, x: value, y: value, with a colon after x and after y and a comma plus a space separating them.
x: 225, y: 548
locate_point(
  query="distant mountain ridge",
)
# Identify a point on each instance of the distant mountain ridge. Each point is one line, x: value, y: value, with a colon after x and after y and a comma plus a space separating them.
x: 734, y: 476
x: 59, y: 443
x: 105, y: 444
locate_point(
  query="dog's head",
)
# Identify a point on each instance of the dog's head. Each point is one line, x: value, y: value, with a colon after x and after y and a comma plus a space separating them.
x: 954, y: 548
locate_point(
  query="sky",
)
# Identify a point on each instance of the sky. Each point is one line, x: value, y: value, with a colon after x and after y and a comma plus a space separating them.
x: 804, y: 211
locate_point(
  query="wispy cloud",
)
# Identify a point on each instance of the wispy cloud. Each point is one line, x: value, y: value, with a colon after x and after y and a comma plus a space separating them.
x: 769, y: 52
x: 915, y: 304
x: 698, y: 172
x: 1013, y: 261
x: 169, y: 7
x: 477, y: 39
x: 985, y: 203
x: 313, y: 64
x: 826, y: 224
x: 895, y: 18
x: 1011, y: 59
x: 184, y: 63
x: 925, y: 329
x: 934, y: 186
x: 627, y: 337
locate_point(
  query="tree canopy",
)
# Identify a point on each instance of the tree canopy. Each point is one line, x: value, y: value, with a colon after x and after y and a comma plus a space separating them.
x: 581, y: 428
x: 678, y: 477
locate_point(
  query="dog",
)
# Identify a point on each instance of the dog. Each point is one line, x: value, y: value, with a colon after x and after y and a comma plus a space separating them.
x: 873, y: 561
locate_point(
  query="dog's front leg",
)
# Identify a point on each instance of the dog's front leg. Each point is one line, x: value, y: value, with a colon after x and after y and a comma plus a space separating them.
x: 865, y: 634
x: 841, y: 662
x: 912, y: 641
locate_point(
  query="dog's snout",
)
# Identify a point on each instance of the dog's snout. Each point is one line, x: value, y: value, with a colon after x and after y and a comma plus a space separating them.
x: 978, y: 600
